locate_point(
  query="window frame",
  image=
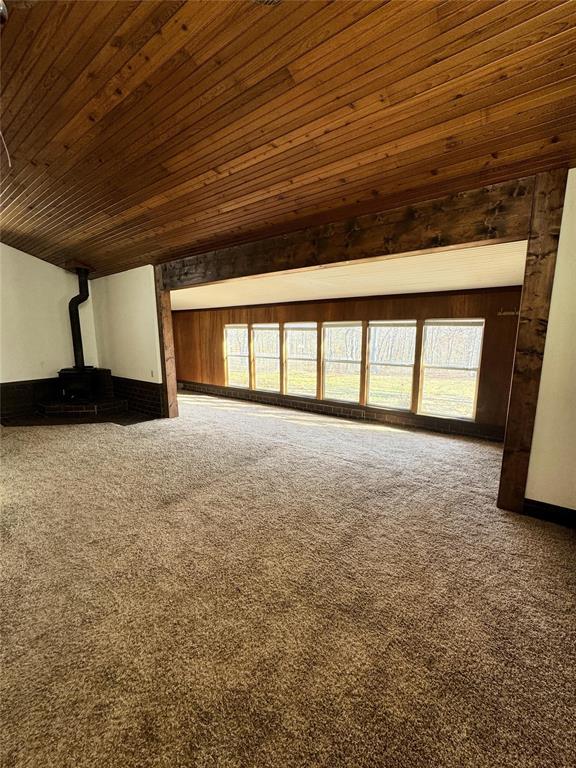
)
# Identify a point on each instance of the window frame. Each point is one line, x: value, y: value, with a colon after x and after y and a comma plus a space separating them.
x: 361, y: 380
x: 460, y: 321
x: 227, y: 356
x: 412, y: 323
x: 253, y: 356
x: 312, y: 328
x: 364, y: 363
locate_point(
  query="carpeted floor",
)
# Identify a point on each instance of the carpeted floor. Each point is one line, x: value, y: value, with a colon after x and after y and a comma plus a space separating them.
x: 251, y: 586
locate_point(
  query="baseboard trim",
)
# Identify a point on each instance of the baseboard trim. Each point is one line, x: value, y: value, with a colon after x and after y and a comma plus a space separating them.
x: 550, y: 512
x: 351, y: 411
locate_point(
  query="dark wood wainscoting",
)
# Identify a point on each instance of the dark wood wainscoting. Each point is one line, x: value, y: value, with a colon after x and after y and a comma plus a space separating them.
x: 198, y: 338
x: 19, y: 399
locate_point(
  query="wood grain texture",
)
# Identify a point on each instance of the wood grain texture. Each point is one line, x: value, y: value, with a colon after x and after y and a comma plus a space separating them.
x: 495, y: 213
x: 144, y: 132
x: 548, y: 203
x: 198, y: 334
x: 167, y: 354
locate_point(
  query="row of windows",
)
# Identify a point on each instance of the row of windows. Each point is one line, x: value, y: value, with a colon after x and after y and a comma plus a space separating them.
x: 372, y: 363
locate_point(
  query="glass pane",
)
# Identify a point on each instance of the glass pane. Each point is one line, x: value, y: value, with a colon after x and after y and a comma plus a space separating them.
x: 392, y: 344
x: 266, y: 340
x: 301, y: 378
x: 343, y: 342
x: 342, y: 381
x: 390, y: 386
x: 236, y: 339
x: 267, y: 373
x: 447, y: 392
x: 300, y: 343
x: 238, y: 372
x: 452, y: 346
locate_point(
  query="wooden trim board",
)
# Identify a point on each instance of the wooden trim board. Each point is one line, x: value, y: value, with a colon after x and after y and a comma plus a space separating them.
x: 167, y: 357
x: 546, y: 217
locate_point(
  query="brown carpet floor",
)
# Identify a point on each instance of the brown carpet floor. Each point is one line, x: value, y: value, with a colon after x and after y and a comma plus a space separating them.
x: 248, y: 586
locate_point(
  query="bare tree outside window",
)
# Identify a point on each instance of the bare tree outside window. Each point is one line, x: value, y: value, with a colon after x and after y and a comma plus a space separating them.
x: 391, y: 351
x: 266, y: 356
x: 236, y: 352
x: 300, y: 351
x: 342, y: 356
x: 450, y: 366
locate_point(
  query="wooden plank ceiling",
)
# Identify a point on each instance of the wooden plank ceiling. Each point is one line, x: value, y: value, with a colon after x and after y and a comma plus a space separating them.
x: 140, y: 132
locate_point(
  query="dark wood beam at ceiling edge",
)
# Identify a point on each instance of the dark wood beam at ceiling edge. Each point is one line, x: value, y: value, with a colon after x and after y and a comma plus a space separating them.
x: 493, y: 213
x: 544, y: 234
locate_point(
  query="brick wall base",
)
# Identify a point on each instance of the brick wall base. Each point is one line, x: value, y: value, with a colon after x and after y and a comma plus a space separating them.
x: 351, y: 411
x: 19, y: 399
x: 143, y: 396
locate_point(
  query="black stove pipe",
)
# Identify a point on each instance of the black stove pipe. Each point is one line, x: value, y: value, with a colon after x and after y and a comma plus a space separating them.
x: 73, y: 305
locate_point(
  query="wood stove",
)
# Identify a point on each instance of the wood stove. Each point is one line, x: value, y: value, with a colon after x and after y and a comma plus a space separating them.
x: 83, y: 389
x: 85, y: 385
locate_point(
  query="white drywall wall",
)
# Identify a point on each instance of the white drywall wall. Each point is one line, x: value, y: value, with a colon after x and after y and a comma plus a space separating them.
x: 35, y: 337
x: 127, y: 324
x: 552, y: 470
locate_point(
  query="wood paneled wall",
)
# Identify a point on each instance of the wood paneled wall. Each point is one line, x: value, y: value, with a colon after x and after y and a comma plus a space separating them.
x: 198, y: 334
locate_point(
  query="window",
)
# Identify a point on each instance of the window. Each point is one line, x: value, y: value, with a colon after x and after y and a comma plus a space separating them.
x: 449, y: 369
x: 300, y: 350
x: 342, y: 356
x: 237, y: 355
x: 266, y: 355
x: 391, y: 350
x: 258, y: 357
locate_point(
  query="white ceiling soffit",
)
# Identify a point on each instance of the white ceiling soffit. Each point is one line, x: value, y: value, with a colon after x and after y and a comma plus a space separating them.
x: 486, y: 266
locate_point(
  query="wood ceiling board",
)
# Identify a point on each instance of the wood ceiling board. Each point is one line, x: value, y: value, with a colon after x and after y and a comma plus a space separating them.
x: 488, y: 266
x: 484, y: 162
x: 410, y: 143
x: 135, y: 140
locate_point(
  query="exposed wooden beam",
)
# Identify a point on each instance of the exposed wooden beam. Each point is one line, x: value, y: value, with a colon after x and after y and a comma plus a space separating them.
x: 494, y: 213
x: 167, y: 356
x: 548, y: 202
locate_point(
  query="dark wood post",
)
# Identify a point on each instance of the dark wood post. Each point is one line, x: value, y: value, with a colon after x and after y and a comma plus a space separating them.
x: 547, y: 205
x: 416, y: 383
x: 167, y: 358
x: 364, y: 364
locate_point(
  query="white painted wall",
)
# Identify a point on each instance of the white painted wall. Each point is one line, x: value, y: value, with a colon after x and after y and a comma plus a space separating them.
x: 35, y: 338
x: 119, y: 320
x: 552, y: 470
x: 127, y: 324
